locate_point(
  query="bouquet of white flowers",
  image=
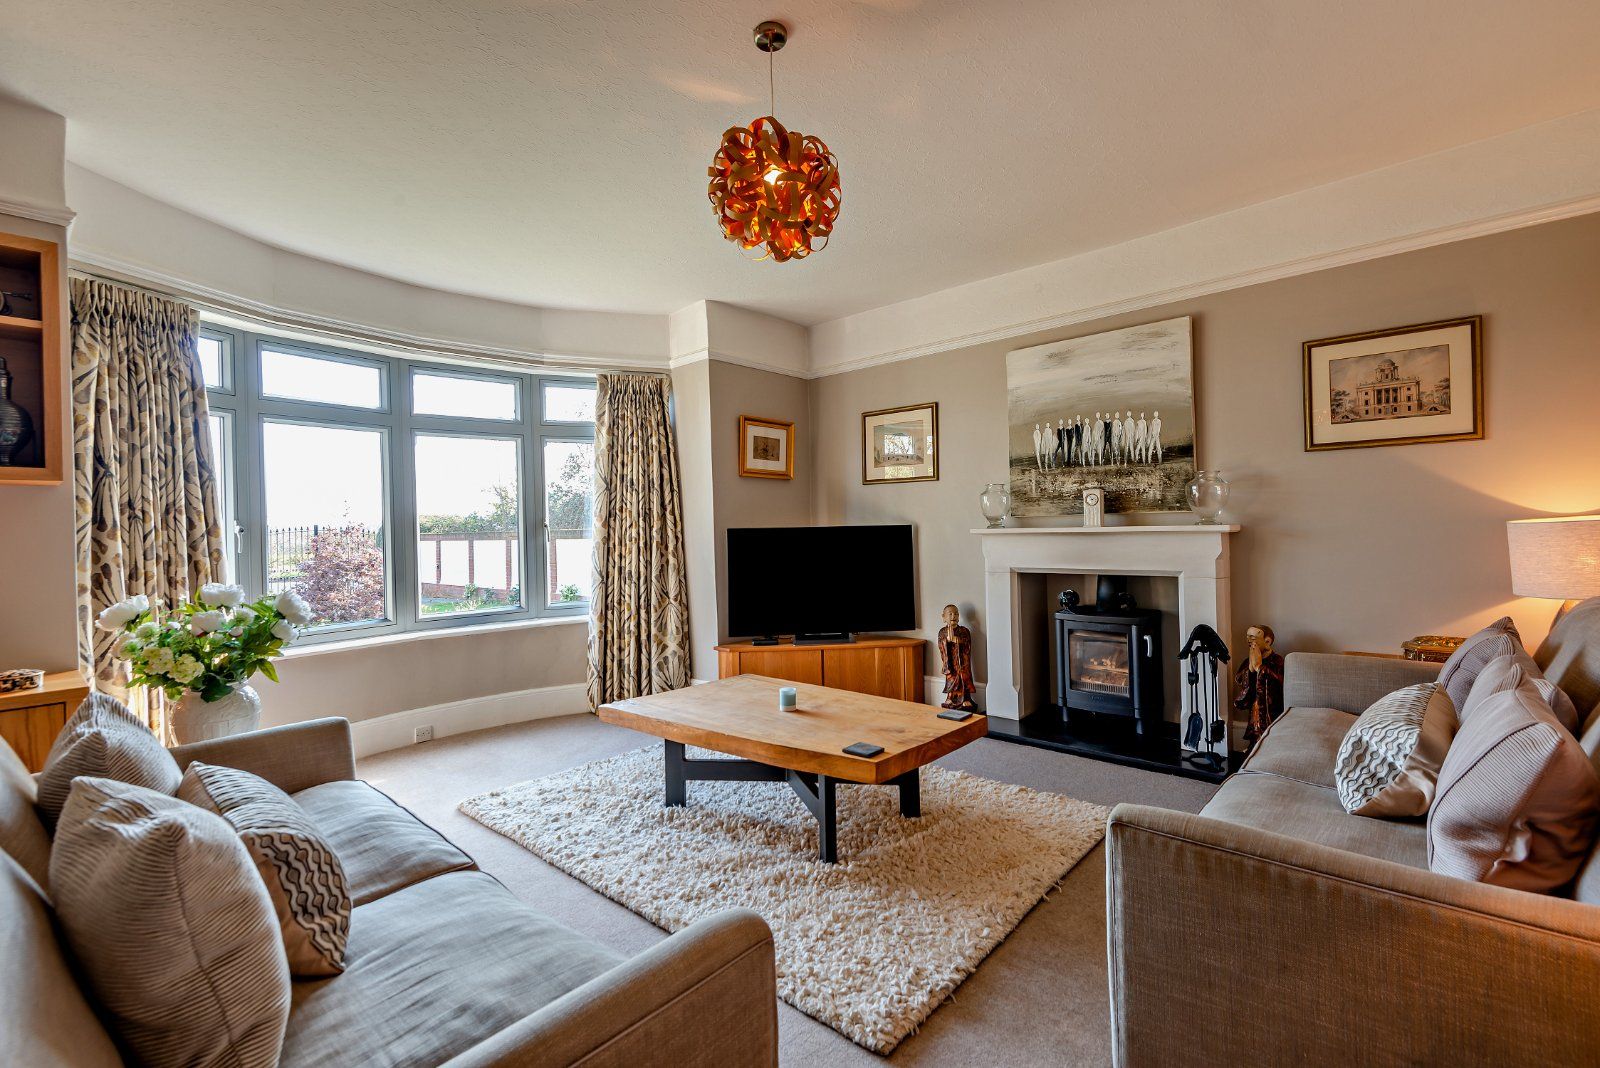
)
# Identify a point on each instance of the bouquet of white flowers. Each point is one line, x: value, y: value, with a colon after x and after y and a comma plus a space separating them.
x: 209, y: 645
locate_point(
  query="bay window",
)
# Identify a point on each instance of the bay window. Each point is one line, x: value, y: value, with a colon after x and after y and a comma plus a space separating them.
x: 392, y: 493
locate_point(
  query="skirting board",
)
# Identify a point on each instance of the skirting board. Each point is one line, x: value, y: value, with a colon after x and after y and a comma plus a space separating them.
x: 382, y: 733
x: 933, y: 691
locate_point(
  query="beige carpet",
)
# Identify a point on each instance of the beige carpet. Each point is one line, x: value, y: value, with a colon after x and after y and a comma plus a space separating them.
x: 870, y: 946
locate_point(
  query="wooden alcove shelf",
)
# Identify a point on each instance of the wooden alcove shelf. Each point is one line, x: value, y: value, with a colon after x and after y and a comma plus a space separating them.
x: 30, y: 343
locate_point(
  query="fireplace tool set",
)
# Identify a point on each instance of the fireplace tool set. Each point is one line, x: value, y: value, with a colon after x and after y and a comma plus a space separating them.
x: 1201, y: 655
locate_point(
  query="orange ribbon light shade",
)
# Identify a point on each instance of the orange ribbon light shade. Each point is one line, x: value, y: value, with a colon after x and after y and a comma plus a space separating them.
x: 775, y: 188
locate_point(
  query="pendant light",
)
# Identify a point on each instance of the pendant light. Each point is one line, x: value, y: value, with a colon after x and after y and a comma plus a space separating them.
x: 771, y: 187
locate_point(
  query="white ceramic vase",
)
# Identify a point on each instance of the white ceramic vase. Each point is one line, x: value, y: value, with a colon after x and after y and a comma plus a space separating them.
x: 194, y: 719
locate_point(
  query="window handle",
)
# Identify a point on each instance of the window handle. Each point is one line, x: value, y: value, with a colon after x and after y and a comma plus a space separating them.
x: 238, y: 539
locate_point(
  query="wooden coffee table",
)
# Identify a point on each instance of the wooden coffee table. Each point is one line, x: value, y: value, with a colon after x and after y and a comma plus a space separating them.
x: 739, y: 716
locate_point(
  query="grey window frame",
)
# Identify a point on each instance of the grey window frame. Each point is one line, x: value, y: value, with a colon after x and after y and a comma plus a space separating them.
x: 248, y: 410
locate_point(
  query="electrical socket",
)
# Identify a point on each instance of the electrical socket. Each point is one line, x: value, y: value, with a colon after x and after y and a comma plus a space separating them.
x: 424, y: 734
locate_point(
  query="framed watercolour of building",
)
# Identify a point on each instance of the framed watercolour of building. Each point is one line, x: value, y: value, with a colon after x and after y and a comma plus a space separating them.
x: 766, y: 448
x: 1404, y: 386
x: 900, y: 444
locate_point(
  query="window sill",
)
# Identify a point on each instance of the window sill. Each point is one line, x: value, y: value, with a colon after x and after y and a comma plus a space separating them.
x: 295, y: 652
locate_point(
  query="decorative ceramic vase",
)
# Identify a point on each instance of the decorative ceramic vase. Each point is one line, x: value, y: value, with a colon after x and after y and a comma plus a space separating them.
x: 194, y: 719
x: 16, y: 426
x: 995, y: 500
x: 1208, y: 494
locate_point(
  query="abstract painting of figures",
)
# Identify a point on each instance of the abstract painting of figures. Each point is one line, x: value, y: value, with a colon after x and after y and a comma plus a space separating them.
x: 1113, y: 409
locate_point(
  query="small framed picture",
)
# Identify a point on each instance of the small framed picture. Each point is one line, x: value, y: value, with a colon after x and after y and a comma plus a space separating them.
x: 1404, y: 386
x: 766, y: 448
x: 900, y: 444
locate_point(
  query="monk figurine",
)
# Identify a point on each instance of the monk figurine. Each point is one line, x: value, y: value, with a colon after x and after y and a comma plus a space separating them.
x: 955, y: 660
x: 1258, y: 684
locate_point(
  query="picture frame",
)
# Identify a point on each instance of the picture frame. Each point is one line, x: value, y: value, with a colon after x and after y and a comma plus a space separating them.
x: 1399, y: 386
x: 766, y: 448
x: 900, y: 444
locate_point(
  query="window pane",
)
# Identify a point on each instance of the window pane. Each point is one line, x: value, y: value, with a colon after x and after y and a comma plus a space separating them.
x: 569, y: 511
x: 295, y: 377
x: 211, y: 363
x: 325, y: 537
x: 469, y: 524
x: 472, y: 398
x: 221, y: 427
x: 568, y: 404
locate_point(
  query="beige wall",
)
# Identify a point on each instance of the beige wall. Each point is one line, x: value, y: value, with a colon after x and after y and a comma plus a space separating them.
x: 37, y: 579
x: 1356, y: 549
x: 415, y: 672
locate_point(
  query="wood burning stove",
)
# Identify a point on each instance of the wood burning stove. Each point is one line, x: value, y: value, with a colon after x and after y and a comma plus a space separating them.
x: 1108, y: 656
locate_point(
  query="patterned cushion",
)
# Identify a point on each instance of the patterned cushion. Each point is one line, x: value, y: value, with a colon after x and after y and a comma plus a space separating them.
x: 1389, y: 761
x: 301, y: 872
x: 1507, y: 673
x: 105, y: 740
x: 1517, y: 797
x: 1498, y: 639
x: 171, y: 927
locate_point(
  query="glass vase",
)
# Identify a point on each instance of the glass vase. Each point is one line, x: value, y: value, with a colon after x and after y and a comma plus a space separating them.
x: 1208, y: 495
x: 995, y: 500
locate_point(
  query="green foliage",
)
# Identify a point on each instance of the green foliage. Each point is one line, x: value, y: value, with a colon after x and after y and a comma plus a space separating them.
x: 503, y: 518
x: 569, y: 592
x: 176, y: 654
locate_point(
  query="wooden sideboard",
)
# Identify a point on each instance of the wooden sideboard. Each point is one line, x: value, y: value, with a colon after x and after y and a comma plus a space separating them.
x: 31, y: 719
x: 887, y: 667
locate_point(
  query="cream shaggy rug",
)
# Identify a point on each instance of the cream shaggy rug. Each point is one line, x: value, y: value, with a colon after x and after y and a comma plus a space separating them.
x: 869, y: 946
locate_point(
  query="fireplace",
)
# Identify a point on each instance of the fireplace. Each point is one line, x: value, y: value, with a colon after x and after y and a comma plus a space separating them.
x: 1108, y: 657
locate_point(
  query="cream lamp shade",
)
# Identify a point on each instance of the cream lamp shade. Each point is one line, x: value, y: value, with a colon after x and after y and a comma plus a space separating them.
x: 1557, y: 557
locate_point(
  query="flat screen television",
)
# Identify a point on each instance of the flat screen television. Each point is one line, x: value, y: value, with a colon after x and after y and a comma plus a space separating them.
x: 820, y: 583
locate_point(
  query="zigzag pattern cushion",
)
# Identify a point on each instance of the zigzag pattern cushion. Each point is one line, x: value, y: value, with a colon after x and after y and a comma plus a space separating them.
x: 302, y: 873
x: 107, y: 741
x: 1388, y: 763
x: 171, y: 928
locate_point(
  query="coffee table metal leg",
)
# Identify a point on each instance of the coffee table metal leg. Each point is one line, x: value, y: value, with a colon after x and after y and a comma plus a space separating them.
x: 910, y: 792
x: 677, y: 785
x: 827, y: 830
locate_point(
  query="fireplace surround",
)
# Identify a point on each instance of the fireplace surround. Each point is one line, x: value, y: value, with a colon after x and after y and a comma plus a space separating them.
x: 1019, y: 694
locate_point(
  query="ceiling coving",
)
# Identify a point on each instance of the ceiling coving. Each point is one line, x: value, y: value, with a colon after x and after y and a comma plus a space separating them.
x: 771, y: 187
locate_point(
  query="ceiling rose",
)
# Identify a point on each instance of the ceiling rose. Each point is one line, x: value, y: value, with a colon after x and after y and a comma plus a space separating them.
x: 772, y: 187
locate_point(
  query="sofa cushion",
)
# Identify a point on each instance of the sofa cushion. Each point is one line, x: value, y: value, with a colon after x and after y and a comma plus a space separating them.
x: 1517, y: 799
x: 1498, y: 639
x: 1569, y: 656
x: 434, y: 969
x: 1313, y: 814
x: 382, y: 847
x: 1302, y: 744
x: 22, y: 834
x: 48, y: 1022
x: 171, y: 926
x: 102, y: 738
x: 1507, y: 673
x: 300, y: 869
x: 1389, y: 761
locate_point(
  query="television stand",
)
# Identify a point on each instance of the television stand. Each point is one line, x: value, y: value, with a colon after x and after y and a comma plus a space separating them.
x: 888, y: 667
x: 824, y: 637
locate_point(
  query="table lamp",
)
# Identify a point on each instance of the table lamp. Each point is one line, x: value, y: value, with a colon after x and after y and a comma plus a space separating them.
x: 1557, y: 557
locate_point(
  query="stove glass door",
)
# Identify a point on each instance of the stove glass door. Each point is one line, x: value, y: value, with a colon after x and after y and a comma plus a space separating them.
x: 1098, y: 663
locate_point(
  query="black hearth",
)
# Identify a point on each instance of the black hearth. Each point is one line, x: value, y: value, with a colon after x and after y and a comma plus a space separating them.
x: 1108, y: 657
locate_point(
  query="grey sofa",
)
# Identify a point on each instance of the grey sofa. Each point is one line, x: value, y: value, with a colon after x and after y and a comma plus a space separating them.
x: 1274, y: 928
x: 444, y: 965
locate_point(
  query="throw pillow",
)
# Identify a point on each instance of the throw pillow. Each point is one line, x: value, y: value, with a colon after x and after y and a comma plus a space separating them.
x: 1517, y: 797
x: 301, y: 872
x: 171, y: 927
x: 1507, y: 673
x: 107, y: 741
x: 1389, y: 760
x: 1498, y: 639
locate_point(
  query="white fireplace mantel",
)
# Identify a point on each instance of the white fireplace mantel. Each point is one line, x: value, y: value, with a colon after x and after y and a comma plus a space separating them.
x: 1195, y: 554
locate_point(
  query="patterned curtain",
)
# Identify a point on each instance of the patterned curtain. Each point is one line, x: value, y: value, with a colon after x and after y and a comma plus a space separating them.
x: 639, y: 611
x: 144, y: 483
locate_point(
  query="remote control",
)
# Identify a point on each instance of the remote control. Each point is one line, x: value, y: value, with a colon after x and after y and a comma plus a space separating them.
x: 863, y: 749
x: 956, y: 714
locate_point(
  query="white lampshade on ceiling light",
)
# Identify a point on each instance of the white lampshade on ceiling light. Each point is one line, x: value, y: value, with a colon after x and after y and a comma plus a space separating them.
x: 1557, y: 557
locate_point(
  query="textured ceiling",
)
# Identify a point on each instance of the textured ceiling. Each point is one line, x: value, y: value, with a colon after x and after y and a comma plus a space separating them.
x: 554, y: 153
